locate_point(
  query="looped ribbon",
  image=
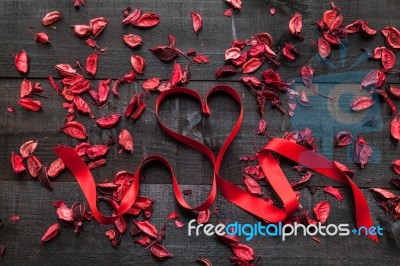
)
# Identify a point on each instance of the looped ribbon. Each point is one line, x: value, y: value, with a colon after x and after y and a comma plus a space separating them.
x: 265, y: 210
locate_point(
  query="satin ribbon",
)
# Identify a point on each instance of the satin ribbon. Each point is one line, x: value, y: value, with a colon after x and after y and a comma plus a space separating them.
x: 265, y: 210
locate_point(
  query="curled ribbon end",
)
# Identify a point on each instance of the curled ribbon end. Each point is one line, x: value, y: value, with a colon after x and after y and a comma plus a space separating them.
x: 374, y: 238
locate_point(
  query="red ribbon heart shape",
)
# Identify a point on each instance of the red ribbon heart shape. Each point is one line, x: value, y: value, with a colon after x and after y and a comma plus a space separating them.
x: 258, y: 207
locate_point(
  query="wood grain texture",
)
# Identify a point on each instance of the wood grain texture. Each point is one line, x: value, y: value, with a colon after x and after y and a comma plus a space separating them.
x: 19, y: 195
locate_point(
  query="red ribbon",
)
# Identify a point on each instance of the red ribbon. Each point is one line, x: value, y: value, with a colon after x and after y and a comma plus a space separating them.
x: 265, y: 210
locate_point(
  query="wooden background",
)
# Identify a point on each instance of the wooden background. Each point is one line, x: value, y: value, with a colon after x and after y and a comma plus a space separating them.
x: 21, y: 196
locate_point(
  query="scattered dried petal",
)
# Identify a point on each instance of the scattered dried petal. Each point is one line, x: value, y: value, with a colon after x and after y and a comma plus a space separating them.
x: 51, y: 17
x: 160, y: 252
x: 334, y: 192
x: 75, y: 129
x: 322, y: 210
x: 51, y: 232
x: 125, y: 140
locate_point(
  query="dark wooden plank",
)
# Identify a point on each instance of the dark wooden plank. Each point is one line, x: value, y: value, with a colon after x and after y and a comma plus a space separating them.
x: 175, y: 19
x: 33, y: 204
x: 184, y: 115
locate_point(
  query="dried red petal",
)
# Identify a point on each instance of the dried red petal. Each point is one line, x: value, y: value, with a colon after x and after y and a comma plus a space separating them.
x: 353, y: 27
x: 232, y: 53
x: 197, y: 21
x: 295, y: 25
x: 151, y: 84
x: 103, y: 91
x: 108, y: 121
x: 42, y: 37
x: 21, y: 61
x: 262, y: 127
x: 252, y: 186
x: 65, y: 214
x: 136, y: 107
x: 240, y: 60
x: 96, y: 151
x: 229, y: 240
x: 274, y: 79
x: 14, y: 218
x: 179, y: 224
x: 307, y: 74
x: 322, y: 210
x: 237, y: 4
x: 55, y: 168
x: 361, y: 152
x: 2, y: 250
x: 361, y: 103
x: 225, y: 70
x: 177, y: 74
x: 75, y: 129
x: 129, y: 77
x: 204, y: 261
x: 383, y: 194
x: 115, y: 87
x: 81, y: 148
x: 396, y: 166
x: 132, y: 40
x: 289, y: 52
x: 392, y: 36
x: 147, y: 20
x: 160, y: 252
x: 251, y: 81
x: 302, y: 182
x: 91, y: 64
x: 228, y: 12
x: 144, y: 241
x: 34, y: 165
x: 125, y: 140
x: 30, y: 104
x: 97, y: 25
x: 243, y: 251
x: 51, y: 17
x: 203, y: 217
x: 120, y: 224
x: 81, y: 105
x: 201, y: 59
x: 51, y: 232
x: 81, y: 30
x: 17, y: 163
x: 164, y: 53
x: 387, y: 57
x: 147, y: 228
x: 26, y: 88
x: 395, y: 127
x: 138, y: 63
x: 324, y: 48
x: 95, y: 164
x: 252, y: 65
x: 65, y: 70
x: 394, y: 91
x: 173, y: 215
x: 375, y: 78
x: 344, y: 138
x: 367, y: 30
x: 131, y: 18
x: 334, y: 192
x: 28, y: 148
